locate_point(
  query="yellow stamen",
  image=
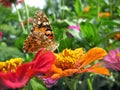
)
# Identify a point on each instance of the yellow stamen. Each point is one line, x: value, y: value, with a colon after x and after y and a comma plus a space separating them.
x: 10, y: 65
x: 67, y: 58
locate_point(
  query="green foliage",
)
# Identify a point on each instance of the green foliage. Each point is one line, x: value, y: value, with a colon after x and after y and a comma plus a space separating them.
x: 90, y: 34
x: 94, y: 31
x: 7, y: 52
x: 35, y: 85
x: 78, y: 7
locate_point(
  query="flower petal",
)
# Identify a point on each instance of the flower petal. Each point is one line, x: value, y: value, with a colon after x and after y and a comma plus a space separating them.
x: 10, y: 80
x: 99, y: 70
x: 112, y: 60
x: 56, y: 76
x: 17, y: 79
x: 43, y: 60
x: 68, y: 72
x: 92, y: 55
x: 49, y: 82
x: 114, y: 66
x: 96, y: 68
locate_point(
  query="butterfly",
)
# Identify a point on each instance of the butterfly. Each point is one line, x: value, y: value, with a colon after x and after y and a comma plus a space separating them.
x: 41, y: 35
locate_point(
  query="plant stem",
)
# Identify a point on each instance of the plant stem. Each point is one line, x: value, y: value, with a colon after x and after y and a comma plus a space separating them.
x: 61, y: 5
x: 71, y: 82
x: 73, y: 85
x: 53, y: 12
x: 98, y: 9
x: 81, y: 4
x: 111, y: 12
x: 89, y: 84
x: 20, y: 20
x: 27, y: 15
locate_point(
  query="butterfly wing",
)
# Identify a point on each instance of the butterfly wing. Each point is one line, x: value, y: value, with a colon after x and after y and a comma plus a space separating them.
x: 41, y: 24
x: 41, y: 35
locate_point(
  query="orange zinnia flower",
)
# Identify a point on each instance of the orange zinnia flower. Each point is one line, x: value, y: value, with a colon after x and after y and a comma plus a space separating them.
x: 104, y: 14
x: 87, y: 9
x: 117, y: 36
x: 100, y: 15
x: 107, y: 14
x: 70, y: 62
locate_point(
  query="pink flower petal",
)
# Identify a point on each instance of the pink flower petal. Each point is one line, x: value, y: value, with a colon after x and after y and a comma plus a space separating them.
x: 74, y: 27
x: 112, y: 60
x: 49, y: 82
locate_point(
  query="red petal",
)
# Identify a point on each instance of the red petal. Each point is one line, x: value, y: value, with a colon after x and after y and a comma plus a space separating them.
x: 44, y: 60
x: 10, y: 80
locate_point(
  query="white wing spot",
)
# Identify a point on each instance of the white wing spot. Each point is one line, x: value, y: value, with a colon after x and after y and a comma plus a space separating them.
x: 39, y: 22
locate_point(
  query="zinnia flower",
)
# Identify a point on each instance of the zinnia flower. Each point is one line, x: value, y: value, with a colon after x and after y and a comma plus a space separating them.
x: 104, y: 14
x: 49, y: 82
x: 117, y: 36
x: 76, y: 27
x: 112, y: 60
x: 14, y: 74
x: 87, y: 9
x: 74, y: 31
x: 8, y: 3
x: 74, y: 62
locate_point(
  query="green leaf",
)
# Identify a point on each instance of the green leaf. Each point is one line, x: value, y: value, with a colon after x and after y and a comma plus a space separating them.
x: 7, y: 52
x: 75, y: 34
x: 9, y: 29
x: 35, y: 85
x: 90, y: 33
x: 78, y: 7
x: 66, y: 43
x: 108, y: 36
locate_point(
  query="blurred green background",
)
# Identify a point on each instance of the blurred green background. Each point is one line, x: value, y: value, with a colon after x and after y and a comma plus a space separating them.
x: 99, y: 23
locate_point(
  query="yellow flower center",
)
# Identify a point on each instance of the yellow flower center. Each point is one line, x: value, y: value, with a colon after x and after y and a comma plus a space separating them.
x: 67, y: 59
x: 10, y: 65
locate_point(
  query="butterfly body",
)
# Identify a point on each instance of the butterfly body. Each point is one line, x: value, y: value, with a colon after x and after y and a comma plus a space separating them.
x: 41, y: 35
